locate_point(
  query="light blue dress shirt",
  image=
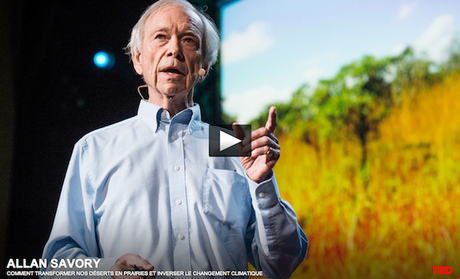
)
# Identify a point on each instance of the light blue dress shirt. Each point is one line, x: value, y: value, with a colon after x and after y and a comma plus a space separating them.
x: 147, y: 186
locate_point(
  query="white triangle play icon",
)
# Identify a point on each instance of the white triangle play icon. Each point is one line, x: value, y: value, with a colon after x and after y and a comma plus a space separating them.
x: 227, y: 141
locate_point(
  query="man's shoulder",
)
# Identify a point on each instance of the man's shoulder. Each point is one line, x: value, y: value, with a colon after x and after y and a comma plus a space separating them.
x: 111, y: 132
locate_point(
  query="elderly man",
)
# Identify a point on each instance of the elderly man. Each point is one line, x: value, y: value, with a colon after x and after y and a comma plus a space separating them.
x: 144, y: 193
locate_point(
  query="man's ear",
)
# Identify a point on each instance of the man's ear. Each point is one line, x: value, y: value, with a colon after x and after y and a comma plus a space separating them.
x: 137, y: 62
x: 206, y: 68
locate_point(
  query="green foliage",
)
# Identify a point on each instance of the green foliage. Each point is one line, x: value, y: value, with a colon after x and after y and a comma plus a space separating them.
x: 412, y: 73
x: 358, y: 98
x: 355, y: 101
x: 296, y: 110
x: 452, y: 65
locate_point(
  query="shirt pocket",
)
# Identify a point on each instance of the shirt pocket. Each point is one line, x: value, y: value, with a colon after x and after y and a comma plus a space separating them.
x: 226, y: 197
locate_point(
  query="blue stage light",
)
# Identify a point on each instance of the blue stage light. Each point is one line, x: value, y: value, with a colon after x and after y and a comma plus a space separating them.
x: 103, y: 60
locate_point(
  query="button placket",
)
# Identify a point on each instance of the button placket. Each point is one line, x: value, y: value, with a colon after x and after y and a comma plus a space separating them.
x: 177, y: 190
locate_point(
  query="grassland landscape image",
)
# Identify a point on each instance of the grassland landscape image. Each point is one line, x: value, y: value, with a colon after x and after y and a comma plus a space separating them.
x: 371, y: 164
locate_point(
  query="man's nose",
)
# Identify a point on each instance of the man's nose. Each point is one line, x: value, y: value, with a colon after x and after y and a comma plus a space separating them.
x: 174, y: 49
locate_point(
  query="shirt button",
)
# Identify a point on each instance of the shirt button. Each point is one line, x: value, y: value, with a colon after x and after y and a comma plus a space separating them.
x: 178, y: 202
x: 173, y: 137
x: 176, y: 168
x: 180, y: 236
x: 262, y: 195
x: 163, y: 114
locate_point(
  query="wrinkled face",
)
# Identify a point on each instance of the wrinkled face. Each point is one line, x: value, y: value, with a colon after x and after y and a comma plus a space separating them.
x: 171, y: 51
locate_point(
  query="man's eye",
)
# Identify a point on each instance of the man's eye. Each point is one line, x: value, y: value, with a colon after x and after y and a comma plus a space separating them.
x: 189, y: 40
x: 160, y: 37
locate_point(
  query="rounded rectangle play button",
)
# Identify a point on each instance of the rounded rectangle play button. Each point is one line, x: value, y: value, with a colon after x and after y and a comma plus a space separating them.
x: 227, y: 140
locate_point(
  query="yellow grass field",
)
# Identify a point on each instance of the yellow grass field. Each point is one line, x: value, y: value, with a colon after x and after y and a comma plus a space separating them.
x: 407, y: 219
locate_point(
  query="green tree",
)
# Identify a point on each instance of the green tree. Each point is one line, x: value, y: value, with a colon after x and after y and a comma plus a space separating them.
x: 411, y: 73
x: 288, y: 114
x: 356, y: 100
x: 452, y: 65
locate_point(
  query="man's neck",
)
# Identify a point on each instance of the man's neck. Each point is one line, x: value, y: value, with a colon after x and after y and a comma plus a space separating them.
x: 173, y: 105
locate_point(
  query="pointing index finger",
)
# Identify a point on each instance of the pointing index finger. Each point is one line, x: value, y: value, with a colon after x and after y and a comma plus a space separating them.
x: 271, y: 121
x: 238, y: 130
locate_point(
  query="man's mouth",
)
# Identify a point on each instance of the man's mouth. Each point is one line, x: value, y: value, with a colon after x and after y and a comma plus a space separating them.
x: 173, y: 71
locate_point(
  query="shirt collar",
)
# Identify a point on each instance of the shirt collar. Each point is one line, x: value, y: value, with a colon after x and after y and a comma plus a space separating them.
x: 151, y: 114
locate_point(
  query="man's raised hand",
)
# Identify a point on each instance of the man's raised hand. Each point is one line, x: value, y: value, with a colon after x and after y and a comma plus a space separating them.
x: 265, y: 149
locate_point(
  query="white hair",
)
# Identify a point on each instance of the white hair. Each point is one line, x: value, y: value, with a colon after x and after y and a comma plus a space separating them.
x: 210, y: 36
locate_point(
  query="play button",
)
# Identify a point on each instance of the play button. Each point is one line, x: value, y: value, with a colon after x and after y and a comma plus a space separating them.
x: 224, y: 143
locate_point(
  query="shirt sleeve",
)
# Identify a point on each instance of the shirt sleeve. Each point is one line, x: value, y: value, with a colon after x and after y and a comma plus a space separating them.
x: 73, y: 235
x: 275, y: 242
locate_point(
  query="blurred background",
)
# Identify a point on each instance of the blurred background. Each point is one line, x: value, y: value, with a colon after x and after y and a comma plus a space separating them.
x: 368, y: 117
